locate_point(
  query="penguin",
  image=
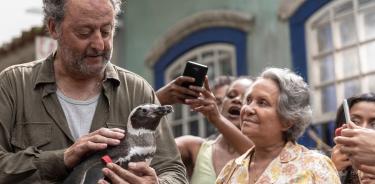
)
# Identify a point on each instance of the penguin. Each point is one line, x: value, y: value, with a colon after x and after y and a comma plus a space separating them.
x: 138, y: 145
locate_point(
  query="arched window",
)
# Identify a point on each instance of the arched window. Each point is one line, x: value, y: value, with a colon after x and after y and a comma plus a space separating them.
x: 216, y: 38
x: 220, y: 59
x: 341, y: 53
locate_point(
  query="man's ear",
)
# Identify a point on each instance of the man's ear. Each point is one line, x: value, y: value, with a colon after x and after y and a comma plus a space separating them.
x: 52, y: 29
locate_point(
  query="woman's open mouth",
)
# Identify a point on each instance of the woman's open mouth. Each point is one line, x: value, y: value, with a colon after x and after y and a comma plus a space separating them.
x: 234, y: 111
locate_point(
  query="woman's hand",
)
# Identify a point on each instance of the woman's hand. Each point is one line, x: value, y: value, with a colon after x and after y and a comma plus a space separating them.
x: 205, y: 103
x: 365, y: 176
x: 358, y: 143
x: 340, y: 160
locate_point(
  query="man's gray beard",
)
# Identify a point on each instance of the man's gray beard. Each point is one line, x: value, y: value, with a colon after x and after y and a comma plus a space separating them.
x: 78, y: 66
x: 84, y: 70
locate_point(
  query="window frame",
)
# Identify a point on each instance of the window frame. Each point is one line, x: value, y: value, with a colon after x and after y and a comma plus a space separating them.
x: 337, y: 51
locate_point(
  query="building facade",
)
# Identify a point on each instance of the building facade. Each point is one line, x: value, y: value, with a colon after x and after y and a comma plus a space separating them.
x: 328, y: 42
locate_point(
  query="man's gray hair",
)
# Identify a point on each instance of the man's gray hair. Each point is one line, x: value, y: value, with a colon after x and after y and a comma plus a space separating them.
x: 293, y: 102
x: 55, y: 9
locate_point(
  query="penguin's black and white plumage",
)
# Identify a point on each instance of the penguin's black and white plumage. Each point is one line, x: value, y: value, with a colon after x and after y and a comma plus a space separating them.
x: 138, y: 145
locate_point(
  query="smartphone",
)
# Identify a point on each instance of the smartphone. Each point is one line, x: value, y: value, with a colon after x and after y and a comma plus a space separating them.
x: 346, y: 111
x: 195, y: 70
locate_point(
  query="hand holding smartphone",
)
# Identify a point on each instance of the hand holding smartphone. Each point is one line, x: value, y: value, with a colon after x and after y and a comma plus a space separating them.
x: 347, y: 117
x: 197, y: 71
x: 338, y: 131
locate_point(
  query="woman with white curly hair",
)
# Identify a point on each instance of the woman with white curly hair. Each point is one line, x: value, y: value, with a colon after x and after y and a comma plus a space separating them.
x: 275, y: 113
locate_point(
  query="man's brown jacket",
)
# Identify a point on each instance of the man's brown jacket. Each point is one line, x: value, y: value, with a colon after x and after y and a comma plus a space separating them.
x: 34, y: 131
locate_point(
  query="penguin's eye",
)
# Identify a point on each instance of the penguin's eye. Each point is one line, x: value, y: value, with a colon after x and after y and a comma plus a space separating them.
x: 144, y: 110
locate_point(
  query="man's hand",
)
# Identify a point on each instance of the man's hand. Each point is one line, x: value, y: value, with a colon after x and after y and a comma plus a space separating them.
x: 138, y: 172
x: 173, y: 92
x: 94, y: 141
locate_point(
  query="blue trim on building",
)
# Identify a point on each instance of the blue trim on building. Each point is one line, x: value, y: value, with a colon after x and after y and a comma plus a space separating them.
x: 299, y: 50
x: 205, y: 36
x: 330, y: 133
x: 297, y: 34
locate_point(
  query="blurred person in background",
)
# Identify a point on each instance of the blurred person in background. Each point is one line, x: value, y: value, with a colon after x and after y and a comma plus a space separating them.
x: 275, y: 113
x: 174, y: 93
x: 205, y: 158
x: 362, y: 114
x: 208, y: 157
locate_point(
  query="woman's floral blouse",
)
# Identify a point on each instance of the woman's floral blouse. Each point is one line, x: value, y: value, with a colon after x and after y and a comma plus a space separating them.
x: 295, y: 164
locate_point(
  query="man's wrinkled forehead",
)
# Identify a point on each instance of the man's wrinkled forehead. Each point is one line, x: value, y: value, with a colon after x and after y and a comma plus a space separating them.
x: 98, y: 8
x: 85, y: 13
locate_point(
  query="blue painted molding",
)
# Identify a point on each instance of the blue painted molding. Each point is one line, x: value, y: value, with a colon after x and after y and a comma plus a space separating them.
x: 205, y: 36
x: 297, y: 34
x: 298, y: 50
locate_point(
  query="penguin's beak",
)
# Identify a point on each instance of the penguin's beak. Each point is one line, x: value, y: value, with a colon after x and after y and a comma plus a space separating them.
x: 165, y: 109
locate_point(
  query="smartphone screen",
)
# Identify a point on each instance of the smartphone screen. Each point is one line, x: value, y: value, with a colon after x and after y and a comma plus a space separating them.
x: 197, y: 71
x: 346, y: 111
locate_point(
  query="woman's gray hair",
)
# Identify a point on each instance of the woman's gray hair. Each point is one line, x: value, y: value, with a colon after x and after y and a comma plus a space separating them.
x: 293, y: 102
x: 55, y: 9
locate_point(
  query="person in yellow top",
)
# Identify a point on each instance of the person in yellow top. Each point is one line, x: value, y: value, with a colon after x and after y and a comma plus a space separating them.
x: 275, y: 113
